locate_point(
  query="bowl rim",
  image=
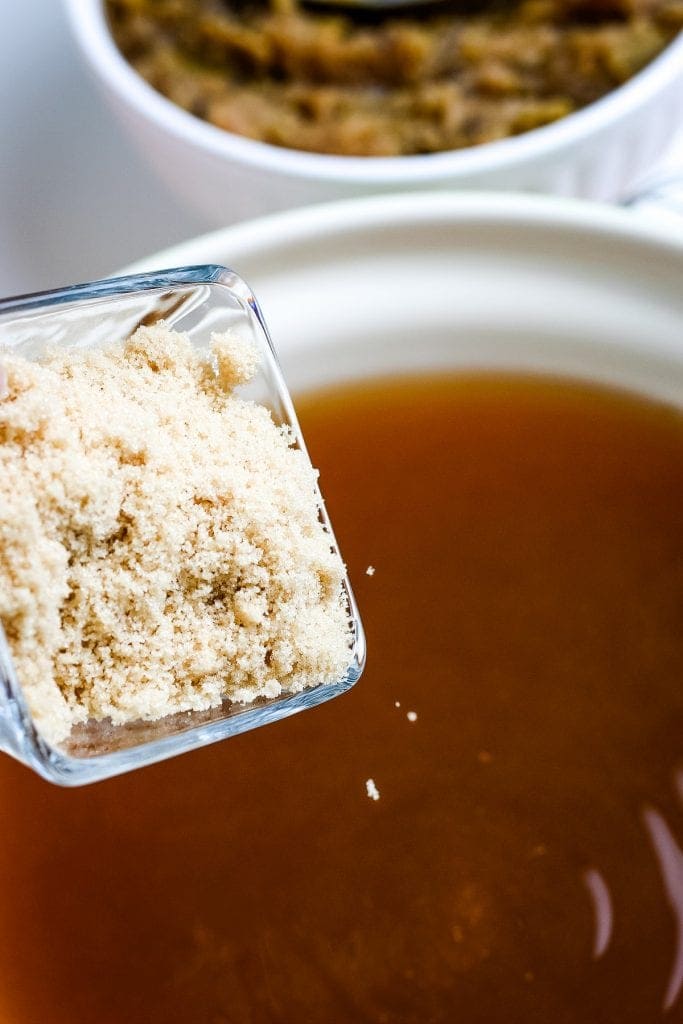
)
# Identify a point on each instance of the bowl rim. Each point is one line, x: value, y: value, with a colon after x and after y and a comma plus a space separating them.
x: 518, y: 212
x: 90, y: 28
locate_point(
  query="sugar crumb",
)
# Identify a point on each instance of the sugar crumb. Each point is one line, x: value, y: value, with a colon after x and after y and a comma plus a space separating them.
x: 370, y: 571
x: 411, y: 716
x: 160, y: 542
x: 397, y: 703
x: 372, y: 789
x: 236, y: 360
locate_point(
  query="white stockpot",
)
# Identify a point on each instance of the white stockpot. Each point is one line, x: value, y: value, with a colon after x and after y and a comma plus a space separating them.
x: 415, y: 282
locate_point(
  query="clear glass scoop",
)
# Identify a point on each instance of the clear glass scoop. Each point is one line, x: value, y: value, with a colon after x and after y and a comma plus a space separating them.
x: 197, y: 301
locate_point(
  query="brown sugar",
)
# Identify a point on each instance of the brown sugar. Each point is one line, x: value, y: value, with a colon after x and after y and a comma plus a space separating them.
x: 393, y: 83
x: 160, y: 542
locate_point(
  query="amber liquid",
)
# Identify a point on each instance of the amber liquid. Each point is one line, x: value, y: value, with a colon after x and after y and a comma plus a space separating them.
x: 522, y: 863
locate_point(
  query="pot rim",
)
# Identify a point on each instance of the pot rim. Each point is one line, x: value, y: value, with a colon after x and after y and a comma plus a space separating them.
x: 348, y: 217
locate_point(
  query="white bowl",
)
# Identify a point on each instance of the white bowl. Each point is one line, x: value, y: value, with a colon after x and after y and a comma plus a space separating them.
x: 401, y: 283
x: 596, y: 152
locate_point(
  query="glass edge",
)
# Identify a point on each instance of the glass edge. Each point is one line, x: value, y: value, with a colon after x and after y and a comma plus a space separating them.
x: 21, y: 739
x: 69, y: 771
x: 110, y: 287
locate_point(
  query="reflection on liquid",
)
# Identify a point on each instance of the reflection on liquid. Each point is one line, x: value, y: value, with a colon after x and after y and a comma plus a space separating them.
x: 670, y: 859
x: 602, y: 905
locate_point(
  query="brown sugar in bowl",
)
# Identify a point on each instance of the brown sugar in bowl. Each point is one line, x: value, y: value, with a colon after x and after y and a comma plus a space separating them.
x: 595, y: 152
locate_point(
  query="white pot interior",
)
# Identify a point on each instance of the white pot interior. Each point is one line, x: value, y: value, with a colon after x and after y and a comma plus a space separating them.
x: 380, y: 287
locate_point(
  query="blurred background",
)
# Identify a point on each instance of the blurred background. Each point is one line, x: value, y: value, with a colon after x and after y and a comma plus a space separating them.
x: 76, y: 199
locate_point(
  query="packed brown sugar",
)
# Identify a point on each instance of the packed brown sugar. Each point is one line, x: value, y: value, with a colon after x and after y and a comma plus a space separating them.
x: 529, y: 552
x: 160, y: 541
x: 443, y: 77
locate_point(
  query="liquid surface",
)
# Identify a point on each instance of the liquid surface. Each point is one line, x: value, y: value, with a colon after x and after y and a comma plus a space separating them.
x: 522, y: 862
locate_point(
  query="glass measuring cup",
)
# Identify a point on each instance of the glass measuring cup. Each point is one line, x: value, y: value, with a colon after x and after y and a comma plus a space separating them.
x: 197, y: 301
